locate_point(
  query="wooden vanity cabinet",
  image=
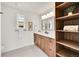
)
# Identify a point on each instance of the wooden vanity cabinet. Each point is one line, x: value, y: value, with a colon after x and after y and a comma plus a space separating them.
x: 50, y: 47
x: 46, y: 44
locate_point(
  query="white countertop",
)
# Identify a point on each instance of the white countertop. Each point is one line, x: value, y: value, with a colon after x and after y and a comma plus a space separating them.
x: 50, y: 34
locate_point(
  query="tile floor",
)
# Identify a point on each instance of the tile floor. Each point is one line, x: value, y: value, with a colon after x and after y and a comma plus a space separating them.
x: 30, y: 51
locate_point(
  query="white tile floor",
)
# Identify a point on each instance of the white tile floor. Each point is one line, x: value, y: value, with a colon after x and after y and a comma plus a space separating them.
x: 30, y: 51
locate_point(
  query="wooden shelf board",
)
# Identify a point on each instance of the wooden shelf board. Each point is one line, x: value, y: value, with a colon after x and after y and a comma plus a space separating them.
x: 66, y: 31
x: 59, y: 55
x: 66, y: 53
x: 70, y: 44
x: 64, y: 5
x: 71, y: 17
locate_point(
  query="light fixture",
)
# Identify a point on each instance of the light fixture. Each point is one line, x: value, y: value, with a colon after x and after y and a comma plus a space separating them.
x: 48, y: 15
x: 44, y: 17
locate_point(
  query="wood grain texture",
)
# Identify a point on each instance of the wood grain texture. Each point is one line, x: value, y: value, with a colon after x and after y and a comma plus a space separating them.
x: 69, y: 40
x: 48, y: 45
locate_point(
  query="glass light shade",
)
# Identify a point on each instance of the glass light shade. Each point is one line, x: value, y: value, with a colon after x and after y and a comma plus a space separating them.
x: 48, y: 15
x: 44, y: 17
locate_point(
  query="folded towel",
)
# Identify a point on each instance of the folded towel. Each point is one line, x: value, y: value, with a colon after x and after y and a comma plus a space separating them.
x: 71, y: 28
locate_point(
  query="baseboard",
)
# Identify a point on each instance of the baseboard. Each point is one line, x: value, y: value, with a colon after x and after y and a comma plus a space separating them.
x: 17, y: 48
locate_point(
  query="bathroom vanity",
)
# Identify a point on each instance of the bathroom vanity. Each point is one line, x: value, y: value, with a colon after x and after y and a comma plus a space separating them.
x: 45, y: 43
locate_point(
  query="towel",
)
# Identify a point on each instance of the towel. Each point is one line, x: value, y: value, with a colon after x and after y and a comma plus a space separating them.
x: 73, y: 28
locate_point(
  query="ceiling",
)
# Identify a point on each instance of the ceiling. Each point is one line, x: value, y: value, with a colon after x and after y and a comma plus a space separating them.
x: 33, y: 7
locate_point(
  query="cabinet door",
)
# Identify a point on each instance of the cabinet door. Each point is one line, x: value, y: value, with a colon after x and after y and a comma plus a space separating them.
x: 34, y: 38
x: 39, y: 41
x: 36, y: 42
x: 47, y: 46
x: 43, y: 43
x: 52, y: 48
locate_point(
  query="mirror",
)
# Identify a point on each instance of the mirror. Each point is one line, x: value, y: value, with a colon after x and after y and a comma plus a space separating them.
x: 47, y: 24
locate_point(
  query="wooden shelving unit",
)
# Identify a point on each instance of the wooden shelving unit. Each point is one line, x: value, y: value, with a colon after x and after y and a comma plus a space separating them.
x: 64, y: 5
x: 71, y: 17
x: 66, y: 31
x: 59, y: 55
x: 70, y: 44
x: 67, y: 42
x: 66, y: 53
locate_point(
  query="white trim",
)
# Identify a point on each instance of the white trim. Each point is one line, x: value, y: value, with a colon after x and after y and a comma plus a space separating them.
x: 17, y: 48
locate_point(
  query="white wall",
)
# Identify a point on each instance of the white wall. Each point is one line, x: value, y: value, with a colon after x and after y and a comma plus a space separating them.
x: 0, y: 30
x: 8, y: 25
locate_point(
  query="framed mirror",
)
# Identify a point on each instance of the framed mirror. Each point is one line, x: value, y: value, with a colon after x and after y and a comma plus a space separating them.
x: 47, y: 24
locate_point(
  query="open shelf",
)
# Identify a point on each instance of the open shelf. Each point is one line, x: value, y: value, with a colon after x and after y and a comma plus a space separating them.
x: 71, y: 17
x: 67, y: 42
x: 64, y: 5
x: 66, y: 53
x: 59, y: 54
x: 66, y: 31
x: 70, y: 44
